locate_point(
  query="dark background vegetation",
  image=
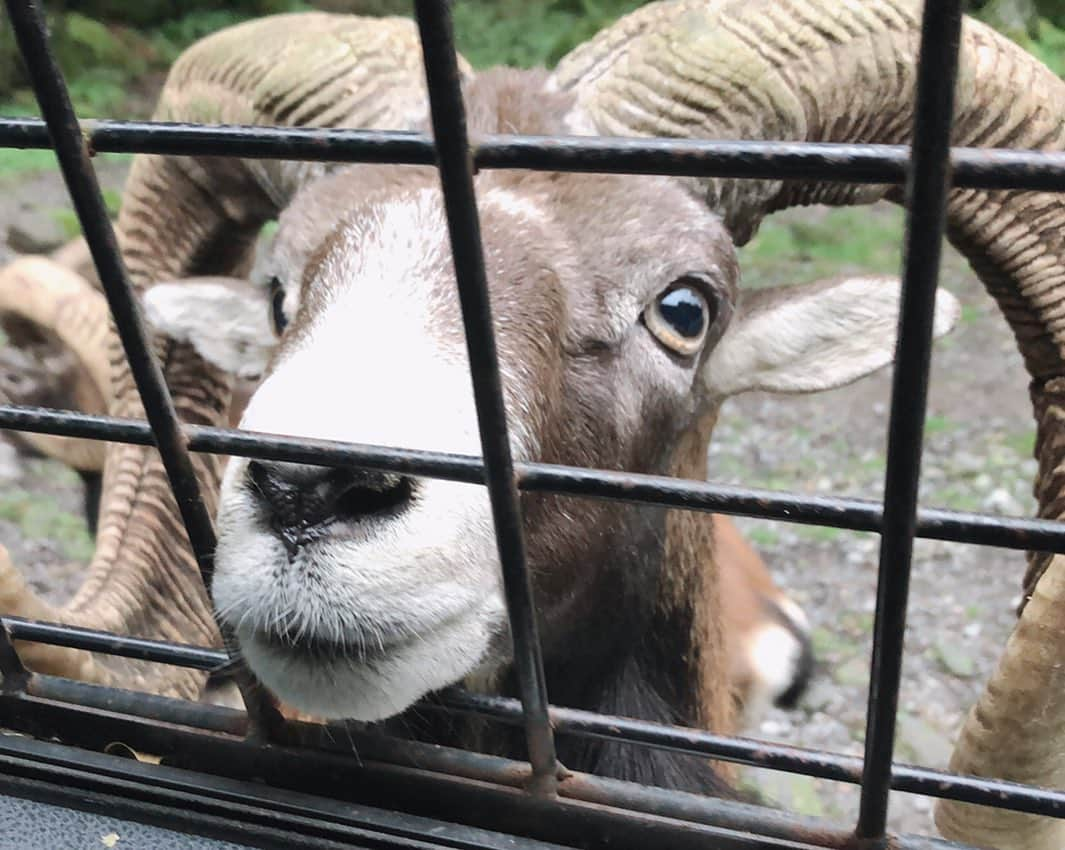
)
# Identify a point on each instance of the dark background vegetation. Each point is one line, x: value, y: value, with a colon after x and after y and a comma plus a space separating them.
x: 115, y: 51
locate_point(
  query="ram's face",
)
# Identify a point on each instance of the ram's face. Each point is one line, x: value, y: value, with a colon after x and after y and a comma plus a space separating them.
x: 352, y: 594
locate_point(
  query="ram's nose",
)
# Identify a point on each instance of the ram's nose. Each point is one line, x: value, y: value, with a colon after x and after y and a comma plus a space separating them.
x: 301, y: 500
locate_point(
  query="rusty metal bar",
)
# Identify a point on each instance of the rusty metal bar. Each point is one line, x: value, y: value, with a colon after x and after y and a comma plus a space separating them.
x: 926, y: 211
x: 838, y: 512
x: 460, y: 203
x: 974, y: 168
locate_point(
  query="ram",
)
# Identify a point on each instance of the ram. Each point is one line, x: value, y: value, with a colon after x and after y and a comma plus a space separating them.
x: 56, y: 356
x: 621, y: 330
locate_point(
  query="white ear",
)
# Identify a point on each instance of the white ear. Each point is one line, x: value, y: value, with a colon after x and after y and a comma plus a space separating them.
x: 225, y: 319
x: 801, y: 339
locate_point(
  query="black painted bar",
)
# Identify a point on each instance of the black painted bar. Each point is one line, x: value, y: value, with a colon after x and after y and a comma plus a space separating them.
x: 12, y: 672
x: 849, y: 513
x: 974, y: 168
x: 926, y: 207
x: 566, y: 721
x: 460, y: 203
x: 108, y: 643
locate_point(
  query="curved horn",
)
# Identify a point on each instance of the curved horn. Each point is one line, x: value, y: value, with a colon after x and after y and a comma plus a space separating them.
x: 198, y: 216
x: 75, y: 256
x: 844, y: 71
x: 62, y: 304
x: 1027, y: 685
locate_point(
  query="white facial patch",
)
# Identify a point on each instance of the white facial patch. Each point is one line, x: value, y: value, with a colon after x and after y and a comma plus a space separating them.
x: 413, y: 598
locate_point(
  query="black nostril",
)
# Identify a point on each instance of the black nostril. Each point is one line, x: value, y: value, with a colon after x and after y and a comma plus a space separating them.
x: 300, y: 497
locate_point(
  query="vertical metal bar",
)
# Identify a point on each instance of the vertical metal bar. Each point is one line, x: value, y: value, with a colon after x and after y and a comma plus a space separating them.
x: 927, y: 189
x: 12, y: 670
x: 455, y: 163
x: 51, y: 91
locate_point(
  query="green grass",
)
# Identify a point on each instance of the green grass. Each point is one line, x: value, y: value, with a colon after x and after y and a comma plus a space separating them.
x: 67, y: 219
x: 828, y: 242
x: 763, y: 537
x: 970, y: 314
x: 1022, y: 443
x: 936, y: 424
x: 17, y: 163
x: 25, y: 162
x: 818, y: 533
x: 39, y: 518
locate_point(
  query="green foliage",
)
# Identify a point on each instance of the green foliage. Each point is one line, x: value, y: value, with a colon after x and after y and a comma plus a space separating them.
x: 827, y: 242
x: 527, y: 34
x: 39, y: 518
x: 173, y: 36
x: 14, y: 161
x: 1036, y: 25
x: 67, y: 219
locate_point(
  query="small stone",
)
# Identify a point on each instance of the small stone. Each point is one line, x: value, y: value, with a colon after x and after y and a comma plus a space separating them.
x: 968, y: 462
x: 918, y: 741
x: 818, y: 695
x: 955, y: 660
x: 774, y: 728
x: 792, y: 791
x: 853, y: 672
x: 10, y: 469
x: 35, y: 232
x: 1001, y: 501
x: 972, y: 630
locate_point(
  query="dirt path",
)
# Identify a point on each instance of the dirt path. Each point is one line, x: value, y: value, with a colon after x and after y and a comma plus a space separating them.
x: 978, y: 457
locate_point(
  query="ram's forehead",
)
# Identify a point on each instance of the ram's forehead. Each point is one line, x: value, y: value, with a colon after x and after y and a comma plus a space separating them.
x: 617, y: 239
x: 611, y: 241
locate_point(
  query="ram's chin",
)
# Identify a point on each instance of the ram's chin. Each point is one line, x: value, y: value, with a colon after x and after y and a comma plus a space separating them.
x: 338, y: 686
x: 346, y: 630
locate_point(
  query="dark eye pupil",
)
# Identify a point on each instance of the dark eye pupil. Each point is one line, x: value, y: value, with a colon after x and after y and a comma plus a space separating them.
x: 277, y: 300
x: 684, y: 310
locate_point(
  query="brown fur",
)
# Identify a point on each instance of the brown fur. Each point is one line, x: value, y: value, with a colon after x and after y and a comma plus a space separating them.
x: 627, y: 595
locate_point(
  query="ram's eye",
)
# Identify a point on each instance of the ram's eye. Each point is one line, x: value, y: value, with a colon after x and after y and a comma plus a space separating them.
x: 277, y: 308
x: 681, y: 314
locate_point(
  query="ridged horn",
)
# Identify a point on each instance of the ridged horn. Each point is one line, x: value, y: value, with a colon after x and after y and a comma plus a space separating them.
x: 199, y: 216
x: 63, y: 306
x: 1027, y: 686
x: 844, y: 71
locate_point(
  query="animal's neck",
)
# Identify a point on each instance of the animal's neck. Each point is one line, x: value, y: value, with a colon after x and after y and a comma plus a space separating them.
x: 654, y: 677
x: 653, y: 654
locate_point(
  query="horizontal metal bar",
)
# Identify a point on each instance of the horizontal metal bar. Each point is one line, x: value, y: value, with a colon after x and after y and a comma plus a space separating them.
x: 976, y: 168
x: 209, y: 805
x: 848, y: 513
x: 566, y: 721
x: 164, y: 710
x: 123, y: 646
x: 821, y: 764
x: 441, y: 781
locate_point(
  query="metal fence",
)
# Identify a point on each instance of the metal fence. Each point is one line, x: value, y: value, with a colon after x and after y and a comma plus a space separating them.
x: 474, y: 788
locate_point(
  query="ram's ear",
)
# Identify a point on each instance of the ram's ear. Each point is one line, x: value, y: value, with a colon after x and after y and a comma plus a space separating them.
x: 225, y: 319
x: 811, y: 337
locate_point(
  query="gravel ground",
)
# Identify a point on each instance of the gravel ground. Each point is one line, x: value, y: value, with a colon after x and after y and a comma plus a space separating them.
x: 978, y: 456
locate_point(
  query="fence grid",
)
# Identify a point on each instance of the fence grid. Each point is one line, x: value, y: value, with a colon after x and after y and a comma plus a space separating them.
x: 87, y: 714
